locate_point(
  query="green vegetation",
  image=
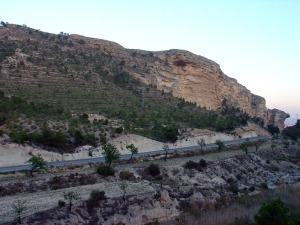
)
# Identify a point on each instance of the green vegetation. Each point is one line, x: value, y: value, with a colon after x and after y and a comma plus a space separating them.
x: 95, y: 199
x: 123, y: 186
x: 153, y: 169
x: 275, y: 212
x: 220, y: 144
x: 245, y: 145
x: 133, y: 149
x: 110, y: 153
x: 201, y: 143
x: 166, y: 148
x: 18, y: 209
x: 273, y: 129
x: 37, y: 163
x: 293, y: 132
x: 105, y: 170
x: 71, y: 197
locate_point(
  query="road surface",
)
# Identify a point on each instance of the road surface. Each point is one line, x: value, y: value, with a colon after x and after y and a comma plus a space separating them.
x: 126, y: 156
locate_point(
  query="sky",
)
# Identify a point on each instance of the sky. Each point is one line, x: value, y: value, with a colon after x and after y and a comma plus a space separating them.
x: 256, y: 42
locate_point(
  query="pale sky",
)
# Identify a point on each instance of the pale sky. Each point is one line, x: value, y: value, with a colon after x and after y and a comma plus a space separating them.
x: 256, y: 42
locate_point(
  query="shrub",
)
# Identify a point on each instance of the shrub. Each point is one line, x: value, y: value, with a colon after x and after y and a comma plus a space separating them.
x: 96, y: 197
x: 190, y: 165
x: 153, y: 169
x: 119, y: 130
x: 264, y: 185
x: 105, y: 170
x: 274, y: 212
x: 61, y: 203
x: 252, y: 188
x: 126, y: 175
x: 202, y: 163
x: 233, y: 187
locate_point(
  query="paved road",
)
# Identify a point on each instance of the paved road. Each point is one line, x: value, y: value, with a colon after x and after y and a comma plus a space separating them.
x: 126, y: 156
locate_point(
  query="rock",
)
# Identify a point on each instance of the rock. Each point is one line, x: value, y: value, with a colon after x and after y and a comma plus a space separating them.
x: 197, y: 197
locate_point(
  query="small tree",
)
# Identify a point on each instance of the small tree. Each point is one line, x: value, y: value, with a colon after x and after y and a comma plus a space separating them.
x: 18, y: 209
x: 166, y: 148
x: 220, y: 144
x: 257, y: 145
x: 245, y: 145
x: 133, y: 149
x: 123, y: 186
x: 201, y: 143
x: 244, y: 148
x: 70, y: 197
x: 37, y: 163
x: 110, y: 153
x: 273, y: 145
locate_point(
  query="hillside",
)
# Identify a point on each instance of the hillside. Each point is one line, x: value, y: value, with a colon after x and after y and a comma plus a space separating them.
x: 143, y: 89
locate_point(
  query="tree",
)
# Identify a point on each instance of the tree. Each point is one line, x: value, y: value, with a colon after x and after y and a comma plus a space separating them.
x: 201, y: 143
x: 71, y: 196
x: 245, y: 145
x: 274, y: 212
x: 273, y: 145
x: 123, y: 186
x: 257, y: 145
x: 110, y: 153
x: 273, y: 129
x: 220, y: 144
x: 18, y: 209
x: 166, y: 148
x: 244, y: 148
x: 37, y: 163
x: 133, y: 149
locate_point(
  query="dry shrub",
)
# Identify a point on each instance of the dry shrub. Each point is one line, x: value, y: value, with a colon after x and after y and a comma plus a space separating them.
x: 126, y: 175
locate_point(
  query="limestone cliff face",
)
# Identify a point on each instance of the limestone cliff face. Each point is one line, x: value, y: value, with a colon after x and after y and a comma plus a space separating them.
x: 277, y: 117
x: 200, y: 80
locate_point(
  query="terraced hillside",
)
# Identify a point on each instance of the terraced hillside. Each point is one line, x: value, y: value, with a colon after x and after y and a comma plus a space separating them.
x: 86, y: 76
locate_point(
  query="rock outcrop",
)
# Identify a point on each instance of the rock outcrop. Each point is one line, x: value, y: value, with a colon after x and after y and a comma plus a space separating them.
x: 200, y: 80
x: 277, y: 118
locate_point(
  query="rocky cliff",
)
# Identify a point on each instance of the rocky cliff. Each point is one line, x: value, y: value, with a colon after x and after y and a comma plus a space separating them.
x: 182, y: 73
x: 200, y: 80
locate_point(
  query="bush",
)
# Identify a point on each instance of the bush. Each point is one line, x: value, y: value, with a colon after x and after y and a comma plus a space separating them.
x: 264, y: 185
x: 233, y: 187
x: 126, y: 175
x: 61, y: 203
x: 274, y: 212
x: 252, y: 188
x: 105, y: 170
x: 96, y: 197
x: 190, y: 165
x: 119, y: 130
x: 153, y: 170
x: 202, y: 163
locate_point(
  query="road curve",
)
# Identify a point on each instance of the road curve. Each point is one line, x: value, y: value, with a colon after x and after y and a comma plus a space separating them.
x: 125, y: 156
